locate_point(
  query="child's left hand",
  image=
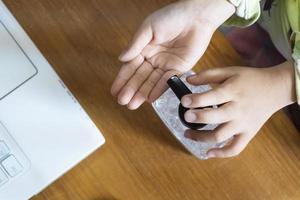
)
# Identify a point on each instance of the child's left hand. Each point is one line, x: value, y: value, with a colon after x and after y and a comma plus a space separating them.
x: 248, y: 97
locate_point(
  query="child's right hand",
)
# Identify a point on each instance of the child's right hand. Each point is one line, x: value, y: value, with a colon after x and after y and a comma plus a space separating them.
x: 169, y: 42
x: 248, y: 98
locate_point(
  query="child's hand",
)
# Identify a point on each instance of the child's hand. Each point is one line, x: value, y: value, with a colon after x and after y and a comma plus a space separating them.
x: 169, y: 42
x: 248, y: 97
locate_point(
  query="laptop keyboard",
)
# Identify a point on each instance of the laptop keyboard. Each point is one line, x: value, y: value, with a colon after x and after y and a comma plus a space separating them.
x: 13, y: 162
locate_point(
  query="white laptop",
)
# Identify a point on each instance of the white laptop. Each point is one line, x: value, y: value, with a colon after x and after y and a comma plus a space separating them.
x: 43, y: 130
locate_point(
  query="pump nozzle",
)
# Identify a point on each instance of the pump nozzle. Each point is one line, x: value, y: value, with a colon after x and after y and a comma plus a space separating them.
x: 180, y: 90
x: 178, y: 87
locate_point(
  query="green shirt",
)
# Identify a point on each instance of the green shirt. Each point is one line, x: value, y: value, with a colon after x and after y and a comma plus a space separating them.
x: 282, y: 23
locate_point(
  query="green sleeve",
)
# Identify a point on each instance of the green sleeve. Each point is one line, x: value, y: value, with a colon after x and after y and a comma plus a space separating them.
x: 247, y: 13
x: 293, y: 11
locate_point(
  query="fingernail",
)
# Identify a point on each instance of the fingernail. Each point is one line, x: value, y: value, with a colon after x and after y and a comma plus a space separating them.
x: 186, y: 101
x: 190, y: 116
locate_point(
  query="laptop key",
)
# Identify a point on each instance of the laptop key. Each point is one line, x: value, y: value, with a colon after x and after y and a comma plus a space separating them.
x: 12, y: 166
x: 3, y: 178
x: 4, y: 150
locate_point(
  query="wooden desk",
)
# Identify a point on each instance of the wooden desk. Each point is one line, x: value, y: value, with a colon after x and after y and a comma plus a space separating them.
x: 141, y: 160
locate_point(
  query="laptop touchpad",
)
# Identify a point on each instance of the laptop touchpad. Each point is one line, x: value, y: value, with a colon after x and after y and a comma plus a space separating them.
x: 15, y: 67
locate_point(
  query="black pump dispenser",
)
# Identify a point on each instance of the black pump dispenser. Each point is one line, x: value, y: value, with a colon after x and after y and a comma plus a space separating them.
x: 180, y: 90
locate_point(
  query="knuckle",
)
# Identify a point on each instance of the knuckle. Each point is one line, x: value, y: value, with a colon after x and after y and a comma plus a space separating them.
x: 218, y: 94
x: 137, y: 62
x: 167, y: 76
x: 198, y: 101
x: 194, y: 136
x: 210, y: 71
x: 226, y: 113
x: 158, y: 72
x: 151, y: 83
x: 218, y: 137
x: 206, y: 71
x: 226, y: 88
x: 141, y: 93
x: 222, y: 90
x: 227, y: 108
x: 140, y: 77
x: 197, y: 138
x: 200, y: 116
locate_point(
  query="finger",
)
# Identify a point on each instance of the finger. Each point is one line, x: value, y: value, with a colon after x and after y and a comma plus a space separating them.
x: 216, y: 96
x: 218, y: 115
x: 142, y: 95
x: 236, y: 146
x: 126, y: 72
x: 221, y: 134
x: 161, y: 86
x: 134, y: 83
x: 143, y: 37
x: 208, y: 76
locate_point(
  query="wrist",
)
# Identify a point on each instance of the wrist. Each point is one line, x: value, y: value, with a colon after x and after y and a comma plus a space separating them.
x: 211, y: 12
x: 283, y: 82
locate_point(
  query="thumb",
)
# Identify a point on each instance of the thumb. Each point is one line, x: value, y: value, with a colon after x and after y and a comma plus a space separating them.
x: 142, y: 38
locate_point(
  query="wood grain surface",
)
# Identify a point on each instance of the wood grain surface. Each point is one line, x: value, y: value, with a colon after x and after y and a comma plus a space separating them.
x: 141, y: 160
